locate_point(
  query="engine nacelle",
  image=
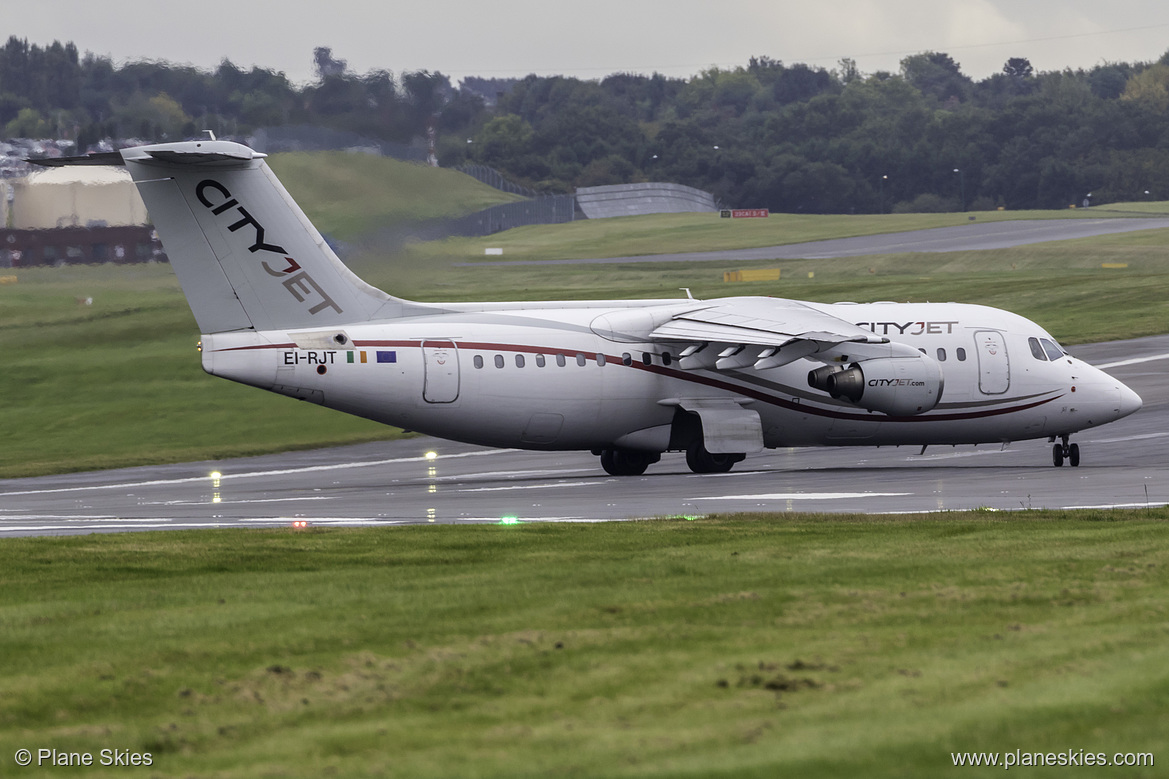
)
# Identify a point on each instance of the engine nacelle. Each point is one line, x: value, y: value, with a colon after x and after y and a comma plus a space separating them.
x: 897, y: 386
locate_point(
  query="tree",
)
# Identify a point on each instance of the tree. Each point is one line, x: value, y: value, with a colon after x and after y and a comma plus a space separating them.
x: 937, y: 75
x: 324, y: 64
x: 1151, y: 87
x: 1018, y: 68
x: 503, y: 141
x: 28, y: 124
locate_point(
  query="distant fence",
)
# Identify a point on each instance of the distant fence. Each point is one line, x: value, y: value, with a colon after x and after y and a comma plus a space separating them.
x: 493, y: 178
x: 550, y: 209
x: 547, y: 210
x: 638, y: 199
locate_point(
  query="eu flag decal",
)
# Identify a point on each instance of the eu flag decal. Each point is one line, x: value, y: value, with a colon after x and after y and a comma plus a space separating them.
x: 387, y: 356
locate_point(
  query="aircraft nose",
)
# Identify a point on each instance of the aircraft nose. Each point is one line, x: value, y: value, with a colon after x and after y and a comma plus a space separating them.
x: 1130, y: 402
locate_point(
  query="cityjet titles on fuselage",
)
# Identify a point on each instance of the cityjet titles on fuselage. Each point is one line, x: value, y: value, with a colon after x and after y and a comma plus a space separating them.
x: 909, y: 328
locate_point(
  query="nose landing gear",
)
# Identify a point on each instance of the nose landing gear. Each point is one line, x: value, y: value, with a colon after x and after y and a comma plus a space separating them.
x: 1065, y: 451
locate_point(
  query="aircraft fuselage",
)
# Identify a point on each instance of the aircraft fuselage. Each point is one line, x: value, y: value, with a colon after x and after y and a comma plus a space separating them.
x: 543, y: 378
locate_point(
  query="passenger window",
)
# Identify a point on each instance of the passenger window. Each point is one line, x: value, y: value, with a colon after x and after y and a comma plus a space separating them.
x: 600, y: 359
x: 540, y: 361
x: 581, y: 360
x: 666, y: 358
x: 626, y: 358
x: 1036, y: 349
x: 560, y: 360
x: 499, y: 361
x: 960, y: 353
x: 647, y: 358
x: 922, y: 350
x: 1053, y: 351
x: 519, y: 361
x: 941, y: 355
x: 478, y: 361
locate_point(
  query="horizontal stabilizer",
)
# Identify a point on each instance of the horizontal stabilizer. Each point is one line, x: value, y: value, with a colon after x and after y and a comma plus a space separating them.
x: 106, y: 158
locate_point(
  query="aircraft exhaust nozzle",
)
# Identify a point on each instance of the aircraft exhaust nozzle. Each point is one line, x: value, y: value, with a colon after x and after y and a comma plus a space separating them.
x: 847, y: 385
x: 818, y: 378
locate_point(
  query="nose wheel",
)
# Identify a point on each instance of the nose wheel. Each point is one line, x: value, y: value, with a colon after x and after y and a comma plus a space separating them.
x: 1065, y: 451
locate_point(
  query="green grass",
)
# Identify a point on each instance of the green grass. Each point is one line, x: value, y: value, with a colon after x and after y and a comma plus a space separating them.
x: 119, y: 382
x: 669, y: 233
x: 349, y: 194
x: 781, y: 645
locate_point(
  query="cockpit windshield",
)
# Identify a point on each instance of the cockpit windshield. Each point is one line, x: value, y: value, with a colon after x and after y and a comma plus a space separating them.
x: 1045, y: 349
x: 1054, y: 352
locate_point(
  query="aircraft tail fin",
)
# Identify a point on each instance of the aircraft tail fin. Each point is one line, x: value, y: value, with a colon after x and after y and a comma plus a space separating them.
x: 245, y: 254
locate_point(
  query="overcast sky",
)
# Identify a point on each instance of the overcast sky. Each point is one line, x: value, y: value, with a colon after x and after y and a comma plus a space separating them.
x: 593, y: 38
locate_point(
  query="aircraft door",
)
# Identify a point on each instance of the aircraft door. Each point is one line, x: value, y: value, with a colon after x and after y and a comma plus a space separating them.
x: 440, y: 361
x: 994, y: 367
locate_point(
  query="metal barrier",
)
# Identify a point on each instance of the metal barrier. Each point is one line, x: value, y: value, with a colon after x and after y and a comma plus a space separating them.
x: 493, y: 178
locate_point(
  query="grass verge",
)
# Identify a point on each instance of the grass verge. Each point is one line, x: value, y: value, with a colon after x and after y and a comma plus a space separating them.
x: 735, y: 646
x: 348, y: 194
x: 670, y: 233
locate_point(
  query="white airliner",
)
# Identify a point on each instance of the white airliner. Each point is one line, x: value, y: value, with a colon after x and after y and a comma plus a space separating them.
x: 627, y: 379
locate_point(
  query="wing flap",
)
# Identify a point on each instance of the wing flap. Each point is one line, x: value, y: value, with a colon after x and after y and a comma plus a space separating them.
x: 758, y: 332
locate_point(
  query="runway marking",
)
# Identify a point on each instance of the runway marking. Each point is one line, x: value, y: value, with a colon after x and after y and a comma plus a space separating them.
x: 952, y: 455
x: 235, y: 502
x: 808, y: 496
x: 89, y: 525
x: 514, y: 474
x: 323, y: 520
x: 1153, y: 504
x: 256, y: 474
x: 68, y: 518
x: 522, y: 520
x: 1133, y: 361
x: 154, y: 524
x: 530, y: 486
x: 1126, y: 438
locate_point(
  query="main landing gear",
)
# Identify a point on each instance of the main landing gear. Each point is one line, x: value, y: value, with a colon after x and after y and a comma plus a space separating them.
x: 629, y: 462
x: 701, y: 461
x: 1065, y: 451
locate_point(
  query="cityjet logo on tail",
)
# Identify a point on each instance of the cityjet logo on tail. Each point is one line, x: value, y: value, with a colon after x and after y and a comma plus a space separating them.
x: 296, y: 281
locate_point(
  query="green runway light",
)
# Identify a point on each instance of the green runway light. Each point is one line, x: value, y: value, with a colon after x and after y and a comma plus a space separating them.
x: 509, y: 520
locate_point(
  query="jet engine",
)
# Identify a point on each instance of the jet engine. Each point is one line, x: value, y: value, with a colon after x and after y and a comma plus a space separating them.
x: 897, y: 386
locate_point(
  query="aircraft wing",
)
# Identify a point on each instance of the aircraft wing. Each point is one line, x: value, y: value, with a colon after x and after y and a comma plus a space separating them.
x: 765, y: 333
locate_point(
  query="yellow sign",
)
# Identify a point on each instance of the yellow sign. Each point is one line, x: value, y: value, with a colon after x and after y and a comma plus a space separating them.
x: 760, y: 274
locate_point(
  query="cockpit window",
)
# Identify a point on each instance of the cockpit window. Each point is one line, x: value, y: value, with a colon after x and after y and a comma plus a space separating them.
x: 1036, y: 350
x: 1052, y: 349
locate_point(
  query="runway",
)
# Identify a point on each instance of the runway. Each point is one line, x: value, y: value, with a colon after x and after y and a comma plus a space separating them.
x: 976, y: 236
x: 395, y: 483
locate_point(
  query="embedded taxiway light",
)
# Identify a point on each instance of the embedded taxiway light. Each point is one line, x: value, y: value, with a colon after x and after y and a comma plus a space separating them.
x: 432, y: 455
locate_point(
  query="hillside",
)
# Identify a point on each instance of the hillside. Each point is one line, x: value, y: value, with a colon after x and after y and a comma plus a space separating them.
x: 349, y: 194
